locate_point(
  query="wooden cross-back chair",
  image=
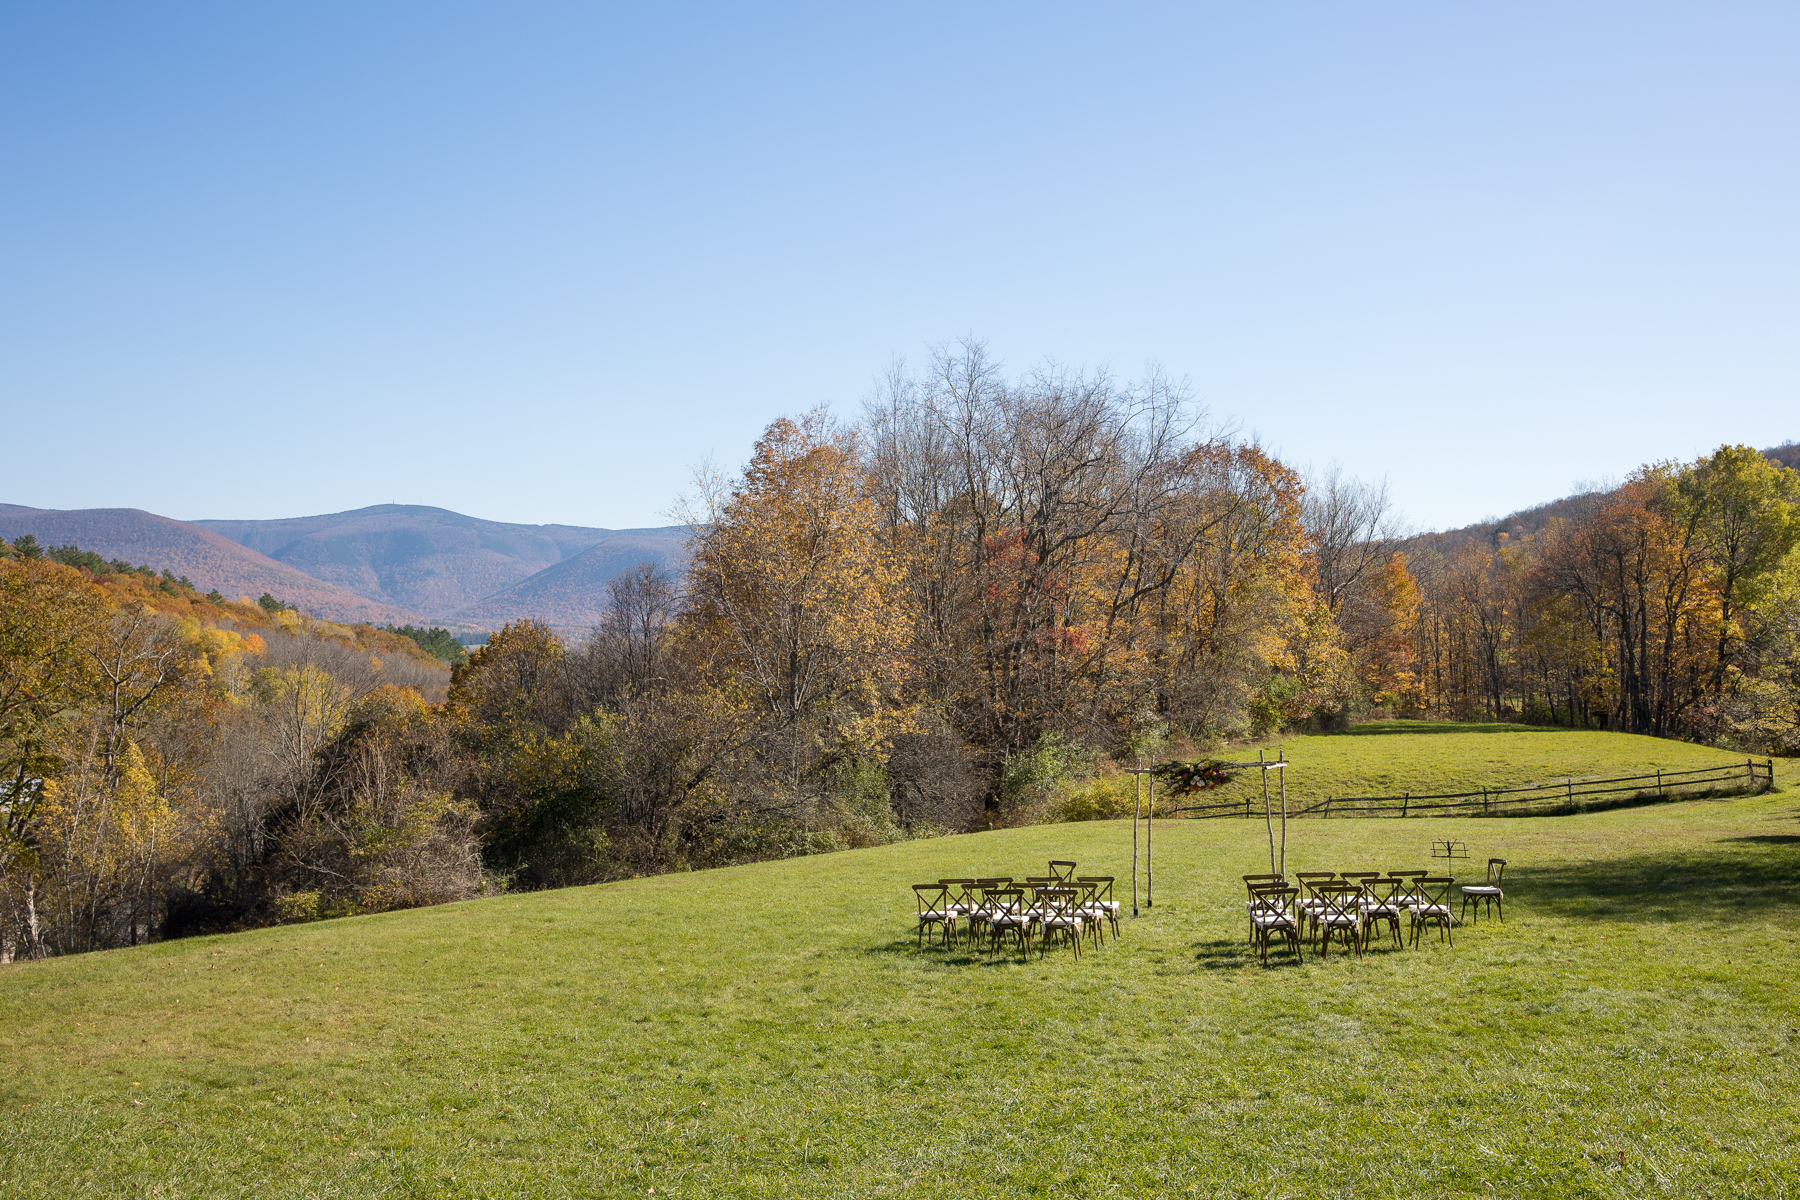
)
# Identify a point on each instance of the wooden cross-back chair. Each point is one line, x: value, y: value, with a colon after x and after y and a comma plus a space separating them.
x: 1272, y: 915
x: 978, y: 919
x: 1431, y: 906
x: 1360, y: 879
x: 1063, y: 869
x: 1383, y: 905
x: 965, y: 900
x: 1102, y: 906
x: 1007, y: 917
x: 1309, y: 905
x: 1339, y: 915
x: 1254, y: 886
x: 1406, y: 893
x: 1488, y: 893
x: 1086, y: 896
x: 934, y: 910
x: 1265, y: 879
x: 1058, y: 919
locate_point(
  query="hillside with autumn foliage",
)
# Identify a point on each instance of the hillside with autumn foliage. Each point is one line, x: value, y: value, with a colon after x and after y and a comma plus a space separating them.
x: 213, y: 562
x: 942, y: 617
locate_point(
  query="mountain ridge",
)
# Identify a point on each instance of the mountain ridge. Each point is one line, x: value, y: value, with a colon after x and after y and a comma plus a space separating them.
x: 572, y: 593
x: 210, y: 560
x: 467, y: 572
x: 413, y: 563
x: 1527, y: 521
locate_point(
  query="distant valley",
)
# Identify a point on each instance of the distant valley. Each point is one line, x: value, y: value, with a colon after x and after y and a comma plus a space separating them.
x: 386, y: 563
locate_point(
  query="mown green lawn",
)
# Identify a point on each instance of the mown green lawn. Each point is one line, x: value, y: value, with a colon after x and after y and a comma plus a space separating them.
x: 1392, y: 757
x: 1632, y: 1030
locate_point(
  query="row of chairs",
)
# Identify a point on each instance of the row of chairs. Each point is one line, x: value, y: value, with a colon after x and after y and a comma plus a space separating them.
x: 1060, y: 908
x: 1350, y: 908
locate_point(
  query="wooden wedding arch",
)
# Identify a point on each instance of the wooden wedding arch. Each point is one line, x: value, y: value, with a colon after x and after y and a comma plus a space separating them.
x: 1144, y: 814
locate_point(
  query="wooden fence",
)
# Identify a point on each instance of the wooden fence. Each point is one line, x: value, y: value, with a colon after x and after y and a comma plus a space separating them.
x: 1532, y: 799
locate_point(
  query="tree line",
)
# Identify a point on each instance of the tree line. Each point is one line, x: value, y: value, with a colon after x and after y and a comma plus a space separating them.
x: 911, y: 624
x: 1669, y: 605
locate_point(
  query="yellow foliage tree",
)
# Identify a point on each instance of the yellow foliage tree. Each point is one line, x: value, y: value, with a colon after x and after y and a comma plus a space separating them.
x: 797, y: 606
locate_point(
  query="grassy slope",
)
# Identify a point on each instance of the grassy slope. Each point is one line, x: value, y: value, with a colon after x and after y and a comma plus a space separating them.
x: 1419, y: 756
x: 770, y: 1030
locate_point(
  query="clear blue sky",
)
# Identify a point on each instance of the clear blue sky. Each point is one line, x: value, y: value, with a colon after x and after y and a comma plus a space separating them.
x: 535, y: 262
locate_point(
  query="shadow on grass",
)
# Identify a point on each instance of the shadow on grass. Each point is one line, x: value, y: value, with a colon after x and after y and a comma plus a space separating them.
x: 1222, y: 954
x: 953, y: 956
x: 1733, y: 879
x: 1374, y: 728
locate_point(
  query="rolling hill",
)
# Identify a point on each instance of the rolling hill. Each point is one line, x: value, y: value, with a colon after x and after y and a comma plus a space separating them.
x: 1531, y: 520
x: 457, y: 569
x: 205, y: 557
x: 570, y: 595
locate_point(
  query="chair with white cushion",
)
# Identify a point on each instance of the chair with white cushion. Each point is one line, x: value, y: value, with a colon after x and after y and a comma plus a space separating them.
x: 1431, y: 906
x: 1008, y: 917
x: 978, y: 918
x: 1272, y: 915
x: 1383, y: 904
x: 1306, y: 909
x: 1339, y: 915
x: 1059, y: 920
x: 1268, y: 879
x: 965, y: 900
x: 934, y: 911
x: 1488, y: 893
x: 1102, y: 907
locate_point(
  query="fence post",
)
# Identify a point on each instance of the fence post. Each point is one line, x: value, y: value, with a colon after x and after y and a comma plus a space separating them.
x: 1659, y: 791
x: 1405, y: 803
x: 1569, y: 783
x: 1771, y: 769
x: 1484, y: 801
x: 1328, y: 806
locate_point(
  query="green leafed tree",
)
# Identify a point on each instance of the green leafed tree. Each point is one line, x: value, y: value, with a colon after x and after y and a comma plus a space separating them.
x: 1745, y: 510
x: 440, y: 643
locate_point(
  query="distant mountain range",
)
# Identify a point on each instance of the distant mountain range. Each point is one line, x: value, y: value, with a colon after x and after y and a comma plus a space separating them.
x: 389, y: 563
x: 209, y: 560
x: 405, y: 563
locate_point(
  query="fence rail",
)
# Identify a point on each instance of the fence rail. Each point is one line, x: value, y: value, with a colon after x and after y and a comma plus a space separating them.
x: 1561, y: 796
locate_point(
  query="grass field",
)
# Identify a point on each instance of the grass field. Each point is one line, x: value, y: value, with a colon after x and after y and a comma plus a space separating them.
x: 771, y: 1030
x: 1391, y: 757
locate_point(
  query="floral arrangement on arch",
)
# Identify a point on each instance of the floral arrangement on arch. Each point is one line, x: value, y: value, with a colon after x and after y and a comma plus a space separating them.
x: 1186, y: 778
